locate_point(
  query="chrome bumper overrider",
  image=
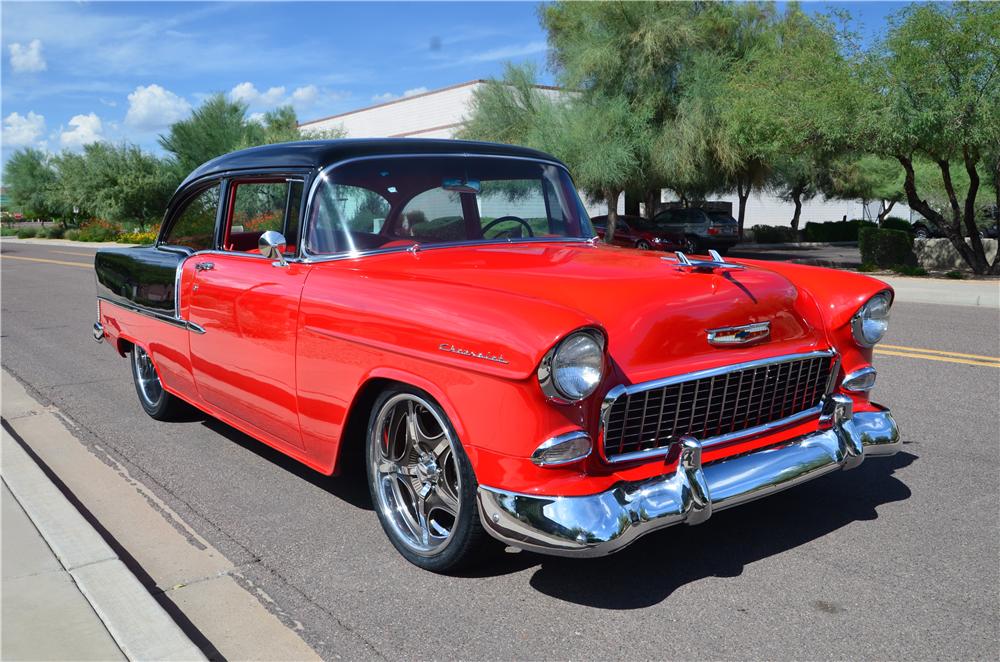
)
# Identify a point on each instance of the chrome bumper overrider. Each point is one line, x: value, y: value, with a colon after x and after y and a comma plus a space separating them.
x: 600, y: 524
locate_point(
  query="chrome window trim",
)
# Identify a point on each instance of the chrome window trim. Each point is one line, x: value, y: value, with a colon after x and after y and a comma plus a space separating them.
x: 856, y: 374
x: 631, y: 389
x: 321, y: 176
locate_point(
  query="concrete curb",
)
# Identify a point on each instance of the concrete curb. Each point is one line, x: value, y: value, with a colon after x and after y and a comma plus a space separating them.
x: 138, y: 624
x: 798, y: 244
x: 65, y: 242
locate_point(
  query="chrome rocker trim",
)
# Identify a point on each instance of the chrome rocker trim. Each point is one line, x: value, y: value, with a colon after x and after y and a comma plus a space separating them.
x: 599, y: 524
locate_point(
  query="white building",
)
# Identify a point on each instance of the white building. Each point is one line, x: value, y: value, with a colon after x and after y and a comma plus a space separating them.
x: 441, y: 113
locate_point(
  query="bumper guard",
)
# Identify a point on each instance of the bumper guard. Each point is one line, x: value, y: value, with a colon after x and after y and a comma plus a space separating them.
x: 599, y: 524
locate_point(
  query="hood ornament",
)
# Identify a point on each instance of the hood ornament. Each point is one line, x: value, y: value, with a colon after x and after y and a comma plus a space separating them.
x: 717, y: 262
x: 739, y: 335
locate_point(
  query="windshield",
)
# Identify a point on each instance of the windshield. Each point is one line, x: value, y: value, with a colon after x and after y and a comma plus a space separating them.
x: 397, y: 202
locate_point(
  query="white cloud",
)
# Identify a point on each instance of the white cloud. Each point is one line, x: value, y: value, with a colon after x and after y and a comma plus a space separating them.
x: 21, y: 131
x: 250, y: 95
x: 389, y: 96
x: 86, y: 129
x: 26, y: 59
x: 305, y: 95
x: 256, y: 117
x: 152, y: 107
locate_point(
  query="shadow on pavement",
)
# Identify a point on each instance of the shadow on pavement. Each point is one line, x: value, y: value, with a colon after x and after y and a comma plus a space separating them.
x: 653, y: 568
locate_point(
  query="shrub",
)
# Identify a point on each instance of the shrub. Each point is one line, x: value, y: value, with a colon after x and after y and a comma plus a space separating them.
x: 886, y: 248
x: 55, y: 232
x: 955, y: 275
x: 98, y: 230
x: 908, y: 270
x: 147, y: 237
x: 866, y: 268
x: 8, y: 232
x: 773, y: 234
x: 893, y: 223
x: 72, y: 235
x: 837, y: 231
x: 26, y: 233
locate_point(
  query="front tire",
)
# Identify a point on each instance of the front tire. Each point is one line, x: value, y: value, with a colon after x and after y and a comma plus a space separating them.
x: 154, y: 399
x: 643, y: 245
x: 422, y: 484
x: 691, y: 245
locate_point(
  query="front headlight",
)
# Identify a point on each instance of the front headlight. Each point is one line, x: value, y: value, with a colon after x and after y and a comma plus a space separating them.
x: 572, y: 369
x: 871, y: 321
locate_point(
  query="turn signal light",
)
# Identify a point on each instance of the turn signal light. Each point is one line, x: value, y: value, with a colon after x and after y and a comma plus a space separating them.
x: 860, y: 380
x: 563, y: 449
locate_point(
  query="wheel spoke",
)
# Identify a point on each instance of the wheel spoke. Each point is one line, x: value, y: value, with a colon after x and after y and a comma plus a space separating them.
x: 446, y: 500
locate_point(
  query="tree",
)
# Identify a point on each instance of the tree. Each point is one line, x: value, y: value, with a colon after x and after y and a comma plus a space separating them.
x: 797, y: 178
x: 934, y: 90
x: 130, y: 186
x: 866, y: 178
x: 216, y: 127
x: 29, y: 178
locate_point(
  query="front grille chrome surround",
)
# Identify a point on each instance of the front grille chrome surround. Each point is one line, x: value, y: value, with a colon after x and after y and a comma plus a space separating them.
x: 782, y: 390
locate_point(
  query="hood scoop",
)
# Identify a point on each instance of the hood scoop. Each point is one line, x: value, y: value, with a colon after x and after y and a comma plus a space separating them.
x: 684, y: 263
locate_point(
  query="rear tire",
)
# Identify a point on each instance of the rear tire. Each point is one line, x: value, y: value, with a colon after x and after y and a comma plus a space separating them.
x: 643, y: 245
x: 154, y: 399
x: 921, y: 232
x: 421, y: 481
x: 691, y: 245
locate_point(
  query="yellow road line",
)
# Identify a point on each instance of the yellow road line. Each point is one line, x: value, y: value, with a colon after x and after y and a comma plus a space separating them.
x: 930, y: 357
x: 85, y: 265
x: 937, y: 351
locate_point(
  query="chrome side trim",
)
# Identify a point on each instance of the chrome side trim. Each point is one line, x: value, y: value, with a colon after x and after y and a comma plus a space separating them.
x: 857, y: 374
x: 632, y: 389
x: 603, y: 523
x: 162, y: 317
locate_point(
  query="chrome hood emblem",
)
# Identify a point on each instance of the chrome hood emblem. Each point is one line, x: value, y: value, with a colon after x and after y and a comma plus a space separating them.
x: 740, y: 335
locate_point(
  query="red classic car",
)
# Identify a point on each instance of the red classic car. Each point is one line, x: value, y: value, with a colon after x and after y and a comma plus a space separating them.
x: 443, y: 306
x: 639, y: 232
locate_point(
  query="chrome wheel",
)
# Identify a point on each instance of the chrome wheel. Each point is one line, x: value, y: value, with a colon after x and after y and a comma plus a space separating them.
x: 146, y: 379
x: 416, y: 481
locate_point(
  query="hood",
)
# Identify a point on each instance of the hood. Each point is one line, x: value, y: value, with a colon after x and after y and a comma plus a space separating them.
x: 656, y: 315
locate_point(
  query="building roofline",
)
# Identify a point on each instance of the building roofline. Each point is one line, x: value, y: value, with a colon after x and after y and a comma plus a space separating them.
x: 477, y: 81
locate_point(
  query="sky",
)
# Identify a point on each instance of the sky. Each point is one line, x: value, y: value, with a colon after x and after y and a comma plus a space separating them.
x: 73, y: 73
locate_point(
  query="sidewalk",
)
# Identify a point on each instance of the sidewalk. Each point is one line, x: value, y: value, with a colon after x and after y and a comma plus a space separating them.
x: 212, y: 597
x: 66, y: 594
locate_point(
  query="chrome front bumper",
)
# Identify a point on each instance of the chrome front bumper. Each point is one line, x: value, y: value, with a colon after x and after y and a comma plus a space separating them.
x: 600, y: 524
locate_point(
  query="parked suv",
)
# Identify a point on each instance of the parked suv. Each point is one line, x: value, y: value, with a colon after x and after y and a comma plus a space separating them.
x: 701, y: 230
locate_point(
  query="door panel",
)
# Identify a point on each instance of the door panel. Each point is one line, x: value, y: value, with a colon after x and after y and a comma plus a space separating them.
x: 244, y: 362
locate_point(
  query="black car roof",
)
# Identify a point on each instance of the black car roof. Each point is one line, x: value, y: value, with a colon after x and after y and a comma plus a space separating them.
x: 320, y: 153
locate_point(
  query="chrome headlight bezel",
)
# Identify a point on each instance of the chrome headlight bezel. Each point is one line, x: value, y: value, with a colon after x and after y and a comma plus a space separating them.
x: 863, y: 323
x: 547, y: 373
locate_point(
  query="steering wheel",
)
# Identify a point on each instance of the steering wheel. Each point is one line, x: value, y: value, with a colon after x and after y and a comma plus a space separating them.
x: 497, y: 221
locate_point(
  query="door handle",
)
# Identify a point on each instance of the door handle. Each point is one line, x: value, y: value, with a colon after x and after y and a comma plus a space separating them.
x: 204, y: 266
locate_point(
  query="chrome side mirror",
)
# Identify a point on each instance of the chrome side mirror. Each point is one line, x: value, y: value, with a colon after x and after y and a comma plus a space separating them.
x: 272, y: 245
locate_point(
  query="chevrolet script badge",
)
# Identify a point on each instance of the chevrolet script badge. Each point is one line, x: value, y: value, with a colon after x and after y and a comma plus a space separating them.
x: 740, y: 335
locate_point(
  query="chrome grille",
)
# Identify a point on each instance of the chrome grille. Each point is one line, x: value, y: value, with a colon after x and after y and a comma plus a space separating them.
x: 713, y: 405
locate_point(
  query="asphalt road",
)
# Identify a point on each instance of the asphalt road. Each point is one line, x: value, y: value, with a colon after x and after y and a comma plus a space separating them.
x: 896, y: 559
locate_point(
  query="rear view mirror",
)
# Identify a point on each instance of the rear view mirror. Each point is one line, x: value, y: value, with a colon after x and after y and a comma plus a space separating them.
x: 459, y: 185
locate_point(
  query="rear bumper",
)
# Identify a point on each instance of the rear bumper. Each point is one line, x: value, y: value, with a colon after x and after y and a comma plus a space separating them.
x: 603, y: 523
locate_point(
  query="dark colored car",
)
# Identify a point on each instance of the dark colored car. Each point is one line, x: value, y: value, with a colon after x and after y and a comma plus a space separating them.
x: 639, y: 232
x: 700, y: 230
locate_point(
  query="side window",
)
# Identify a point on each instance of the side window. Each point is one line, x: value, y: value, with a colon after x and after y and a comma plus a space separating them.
x: 259, y: 207
x: 195, y: 227
x: 345, y: 218
x: 434, y: 215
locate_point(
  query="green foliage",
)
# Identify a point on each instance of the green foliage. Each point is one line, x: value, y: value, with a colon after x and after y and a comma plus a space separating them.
x: 955, y: 275
x: 72, y: 235
x: 29, y: 178
x: 897, y: 224
x: 26, y: 232
x: 55, y: 232
x: 909, y: 270
x: 837, y: 231
x: 885, y: 248
x: 771, y: 234
x: 867, y: 268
